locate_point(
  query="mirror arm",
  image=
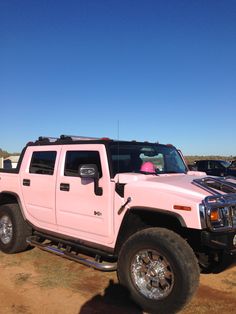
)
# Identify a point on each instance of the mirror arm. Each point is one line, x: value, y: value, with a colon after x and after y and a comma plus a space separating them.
x: 97, y: 189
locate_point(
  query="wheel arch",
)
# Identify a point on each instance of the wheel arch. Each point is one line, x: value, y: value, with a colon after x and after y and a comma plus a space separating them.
x: 138, y: 218
x: 7, y: 197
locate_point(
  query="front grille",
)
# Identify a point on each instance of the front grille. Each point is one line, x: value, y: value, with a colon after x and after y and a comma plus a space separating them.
x: 233, y: 211
x: 226, y: 206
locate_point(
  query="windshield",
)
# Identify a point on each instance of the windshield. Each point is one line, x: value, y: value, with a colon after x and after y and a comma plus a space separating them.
x: 233, y: 164
x: 225, y: 164
x: 129, y: 157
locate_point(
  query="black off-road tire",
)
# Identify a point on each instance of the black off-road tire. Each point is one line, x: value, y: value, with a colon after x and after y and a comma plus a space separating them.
x: 13, y: 229
x: 177, y: 263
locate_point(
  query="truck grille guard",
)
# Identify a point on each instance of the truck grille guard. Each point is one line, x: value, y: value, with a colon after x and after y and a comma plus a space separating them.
x: 223, y: 199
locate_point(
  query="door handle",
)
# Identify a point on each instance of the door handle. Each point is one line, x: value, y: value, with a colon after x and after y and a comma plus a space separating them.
x: 26, y: 182
x: 64, y: 187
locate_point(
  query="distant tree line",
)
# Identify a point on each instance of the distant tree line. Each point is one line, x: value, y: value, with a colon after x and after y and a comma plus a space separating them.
x: 5, y: 154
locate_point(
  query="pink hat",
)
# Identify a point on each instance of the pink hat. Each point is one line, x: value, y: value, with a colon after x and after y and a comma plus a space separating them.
x: 148, y: 167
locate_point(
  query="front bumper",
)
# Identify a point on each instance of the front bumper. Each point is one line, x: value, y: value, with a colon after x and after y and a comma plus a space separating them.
x: 221, y: 250
x: 223, y: 241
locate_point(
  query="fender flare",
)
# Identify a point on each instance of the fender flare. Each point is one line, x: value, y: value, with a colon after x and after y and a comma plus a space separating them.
x: 18, y: 201
x: 159, y: 211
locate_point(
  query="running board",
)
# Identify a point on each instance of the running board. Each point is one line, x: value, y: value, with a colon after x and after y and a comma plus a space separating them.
x: 67, y: 252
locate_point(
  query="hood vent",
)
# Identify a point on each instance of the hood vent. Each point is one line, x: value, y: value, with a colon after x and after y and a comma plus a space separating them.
x: 216, y: 186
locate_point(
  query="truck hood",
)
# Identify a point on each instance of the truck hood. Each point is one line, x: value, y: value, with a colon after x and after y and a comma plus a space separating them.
x: 173, y: 183
x: 171, y: 193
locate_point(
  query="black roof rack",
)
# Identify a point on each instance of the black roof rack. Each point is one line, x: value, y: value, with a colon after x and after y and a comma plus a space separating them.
x: 77, y: 138
x: 73, y: 139
x: 47, y: 139
x: 64, y: 139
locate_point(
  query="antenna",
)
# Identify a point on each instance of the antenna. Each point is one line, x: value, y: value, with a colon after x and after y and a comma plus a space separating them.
x: 118, y: 146
x: 118, y: 130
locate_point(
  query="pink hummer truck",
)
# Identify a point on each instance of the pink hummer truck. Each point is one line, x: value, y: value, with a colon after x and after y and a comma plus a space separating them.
x: 92, y: 201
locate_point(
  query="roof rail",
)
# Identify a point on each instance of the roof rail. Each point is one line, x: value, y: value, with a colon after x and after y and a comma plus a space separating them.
x: 77, y: 138
x: 47, y: 139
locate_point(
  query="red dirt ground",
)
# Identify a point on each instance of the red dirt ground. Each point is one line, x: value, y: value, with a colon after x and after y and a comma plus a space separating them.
x: 37, y: 282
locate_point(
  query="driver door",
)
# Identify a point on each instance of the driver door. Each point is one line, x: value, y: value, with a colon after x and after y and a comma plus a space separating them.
x: 79, y: 211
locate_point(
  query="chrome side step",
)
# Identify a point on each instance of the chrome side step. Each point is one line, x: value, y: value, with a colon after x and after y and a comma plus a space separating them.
x: 67, y: 252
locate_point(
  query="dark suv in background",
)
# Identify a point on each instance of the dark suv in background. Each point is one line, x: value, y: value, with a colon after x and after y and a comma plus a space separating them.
x: 220, y: 168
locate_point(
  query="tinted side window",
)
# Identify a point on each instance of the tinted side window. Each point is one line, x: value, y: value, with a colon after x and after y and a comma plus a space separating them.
x: 217, y: 165
x: 76, y: 158
x: 214, y: 165
x: 201, y: 165
x: 43, y: 162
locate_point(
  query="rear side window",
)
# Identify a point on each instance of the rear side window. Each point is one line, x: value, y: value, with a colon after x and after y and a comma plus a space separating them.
x: 202, y: 165
x: 74, y: 159
x: 43, y: 162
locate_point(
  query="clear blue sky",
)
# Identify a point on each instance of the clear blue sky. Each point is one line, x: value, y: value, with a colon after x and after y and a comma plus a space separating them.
x: 166, y: 70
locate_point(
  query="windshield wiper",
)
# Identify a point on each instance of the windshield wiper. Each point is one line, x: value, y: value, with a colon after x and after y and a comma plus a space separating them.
x: 174, y: 172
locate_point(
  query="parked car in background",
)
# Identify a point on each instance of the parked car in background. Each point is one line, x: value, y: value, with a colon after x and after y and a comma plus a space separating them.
x: 233, y: 165
x: 192, y: 167
x: 220, y: 168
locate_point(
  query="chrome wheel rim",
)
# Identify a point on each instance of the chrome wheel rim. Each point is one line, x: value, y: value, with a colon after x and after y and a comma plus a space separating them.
x: 152, y: 274
x: 6, y: 230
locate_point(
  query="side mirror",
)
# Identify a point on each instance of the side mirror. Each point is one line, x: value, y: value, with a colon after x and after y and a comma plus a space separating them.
x: 90, y: 171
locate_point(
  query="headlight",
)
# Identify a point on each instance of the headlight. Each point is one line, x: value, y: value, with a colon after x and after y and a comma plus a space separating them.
x: 234, y: 240
x: 234, y: 215
x: 220, y: 217
x: 220, y: 211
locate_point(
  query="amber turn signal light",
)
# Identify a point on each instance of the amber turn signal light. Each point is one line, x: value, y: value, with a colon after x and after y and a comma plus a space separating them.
x: 181, y: 207
x: 215, y: 215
